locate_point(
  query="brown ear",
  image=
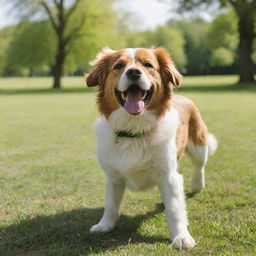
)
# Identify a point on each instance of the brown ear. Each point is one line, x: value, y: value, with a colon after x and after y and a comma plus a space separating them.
x: 99, y: 71
x: 168, y: 71
x: 95, y: 76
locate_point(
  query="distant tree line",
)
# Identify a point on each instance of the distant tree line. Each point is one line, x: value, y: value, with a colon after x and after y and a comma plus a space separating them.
x: 31, y: 48
x: 245, y: 11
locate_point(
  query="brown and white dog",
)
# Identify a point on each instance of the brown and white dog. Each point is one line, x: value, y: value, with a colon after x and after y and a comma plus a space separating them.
x: 144, y: 130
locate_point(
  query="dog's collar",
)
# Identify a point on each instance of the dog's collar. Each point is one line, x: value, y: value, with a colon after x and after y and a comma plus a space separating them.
x: 129, y: 134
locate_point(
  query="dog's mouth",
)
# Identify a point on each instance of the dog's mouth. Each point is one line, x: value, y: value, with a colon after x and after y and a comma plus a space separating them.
x: 134, y: 99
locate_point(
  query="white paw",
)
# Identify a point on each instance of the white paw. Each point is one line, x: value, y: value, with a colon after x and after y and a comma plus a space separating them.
x: 100, y: 228
x: 196, y: 186
x: 184, y: 242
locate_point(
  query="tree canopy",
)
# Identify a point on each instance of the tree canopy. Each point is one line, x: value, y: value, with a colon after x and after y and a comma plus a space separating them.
x: 198, y: 47
x: 245, y: 11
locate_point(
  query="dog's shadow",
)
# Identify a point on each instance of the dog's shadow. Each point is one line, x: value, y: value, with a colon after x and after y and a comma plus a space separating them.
x: 67, y: 233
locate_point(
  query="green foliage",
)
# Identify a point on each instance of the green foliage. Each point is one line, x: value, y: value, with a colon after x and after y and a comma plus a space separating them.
x: 196, y: 47
x: 223, y: 32
x: 223, y: 39
x: 32, y: 48
x: 191, y: 4
x: 245, y: 11
x: 6, y: 36
x: 222, y: 57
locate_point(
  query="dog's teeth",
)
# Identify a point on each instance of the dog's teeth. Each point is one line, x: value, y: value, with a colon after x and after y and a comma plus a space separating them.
x: 124, y: 97
x: 144, y: 95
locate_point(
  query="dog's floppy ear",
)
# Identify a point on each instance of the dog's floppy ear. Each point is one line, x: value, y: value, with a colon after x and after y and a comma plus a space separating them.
x: 98, y: 74
x: 168, y: 71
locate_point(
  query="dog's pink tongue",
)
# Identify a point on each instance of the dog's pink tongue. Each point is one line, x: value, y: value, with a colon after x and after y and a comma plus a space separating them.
x: 134, y: 104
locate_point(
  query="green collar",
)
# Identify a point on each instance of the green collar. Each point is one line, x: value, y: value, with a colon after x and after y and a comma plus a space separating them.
x: 129, y: 134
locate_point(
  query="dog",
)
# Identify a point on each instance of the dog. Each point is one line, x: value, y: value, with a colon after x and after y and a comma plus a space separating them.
x: 143, y: 132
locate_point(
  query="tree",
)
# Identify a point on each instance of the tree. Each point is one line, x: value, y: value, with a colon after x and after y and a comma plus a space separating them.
x: 99, y: 30
x: 246, y: 13
x: 6, y: 36
x: 60, y: 14
x: 197, y: 49
x: 78, y: 28
x: 32, y: 45
x: 65, y: 35
x: 222, y: 57
x: 223, y: 40
x: 31, y: 49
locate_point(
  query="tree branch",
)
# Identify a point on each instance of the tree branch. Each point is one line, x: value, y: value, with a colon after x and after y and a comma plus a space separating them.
x: 72, y: 9
x: 75, y: 31
x: 56, y: 2
x: 233, y: 3
x: 49, y: 12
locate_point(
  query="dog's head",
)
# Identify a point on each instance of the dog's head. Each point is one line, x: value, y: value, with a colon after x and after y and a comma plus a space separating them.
x: 134, y: 79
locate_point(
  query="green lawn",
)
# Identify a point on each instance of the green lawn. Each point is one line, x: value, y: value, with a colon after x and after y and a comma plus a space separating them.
x: 52, y: 187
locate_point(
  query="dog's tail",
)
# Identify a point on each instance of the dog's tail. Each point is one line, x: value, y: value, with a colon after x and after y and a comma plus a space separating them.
x: 212, y: 144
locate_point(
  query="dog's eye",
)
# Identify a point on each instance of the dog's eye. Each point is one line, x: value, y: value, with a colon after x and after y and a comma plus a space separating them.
x: 119, y: 66
x: 148, y: 65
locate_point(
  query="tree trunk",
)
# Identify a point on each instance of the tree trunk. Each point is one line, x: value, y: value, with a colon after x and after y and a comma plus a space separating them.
x: 58, y: 66
x: 246, y: 34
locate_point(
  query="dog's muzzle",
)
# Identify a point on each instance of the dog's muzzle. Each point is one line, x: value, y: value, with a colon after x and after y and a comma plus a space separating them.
x: 134, y: 99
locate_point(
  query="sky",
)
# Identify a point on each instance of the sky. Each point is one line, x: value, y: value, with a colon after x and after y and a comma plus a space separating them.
x: 4, y: 19
x: 150, y: 13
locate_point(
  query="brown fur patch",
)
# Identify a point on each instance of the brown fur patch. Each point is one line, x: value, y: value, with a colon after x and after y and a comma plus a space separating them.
x: 168, y: 71
x: 191, y: 124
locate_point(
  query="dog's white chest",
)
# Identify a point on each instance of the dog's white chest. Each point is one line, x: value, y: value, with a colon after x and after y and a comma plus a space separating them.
x: 135, y: 160
x: 132, y: 159
x: 128, y: 158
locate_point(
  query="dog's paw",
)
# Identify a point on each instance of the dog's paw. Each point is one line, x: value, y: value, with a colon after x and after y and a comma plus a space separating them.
x: 100, y: 228
x: 196, y: 186
x: 183, y: 242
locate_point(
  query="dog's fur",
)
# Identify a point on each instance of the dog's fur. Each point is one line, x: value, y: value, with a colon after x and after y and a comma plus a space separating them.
x: 171, y: 124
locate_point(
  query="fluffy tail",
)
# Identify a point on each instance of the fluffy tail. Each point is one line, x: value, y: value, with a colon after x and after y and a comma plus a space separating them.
x: 212, y: 144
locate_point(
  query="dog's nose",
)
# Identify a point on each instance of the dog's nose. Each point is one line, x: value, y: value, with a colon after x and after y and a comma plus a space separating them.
x: 133, y: 73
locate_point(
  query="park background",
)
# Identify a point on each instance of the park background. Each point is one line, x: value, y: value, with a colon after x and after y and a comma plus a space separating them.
x: 51, y: 186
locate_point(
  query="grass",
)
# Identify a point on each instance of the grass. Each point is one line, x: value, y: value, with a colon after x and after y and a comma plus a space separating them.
x: 51, y: 186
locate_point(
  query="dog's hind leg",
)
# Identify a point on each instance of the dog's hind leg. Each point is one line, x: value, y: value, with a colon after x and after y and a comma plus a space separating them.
x: 197, y: 148
x: 199, y: 157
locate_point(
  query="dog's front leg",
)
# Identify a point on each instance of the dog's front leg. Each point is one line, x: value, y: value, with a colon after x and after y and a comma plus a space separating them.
x: 113, y: 198
x: 171, y: 188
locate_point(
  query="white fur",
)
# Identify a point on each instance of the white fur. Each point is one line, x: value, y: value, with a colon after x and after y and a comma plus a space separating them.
x: 102, y: 53
x: 131, y: 53
x: 139, y: 164
x: 199, y: 157
x: 212, y: 144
